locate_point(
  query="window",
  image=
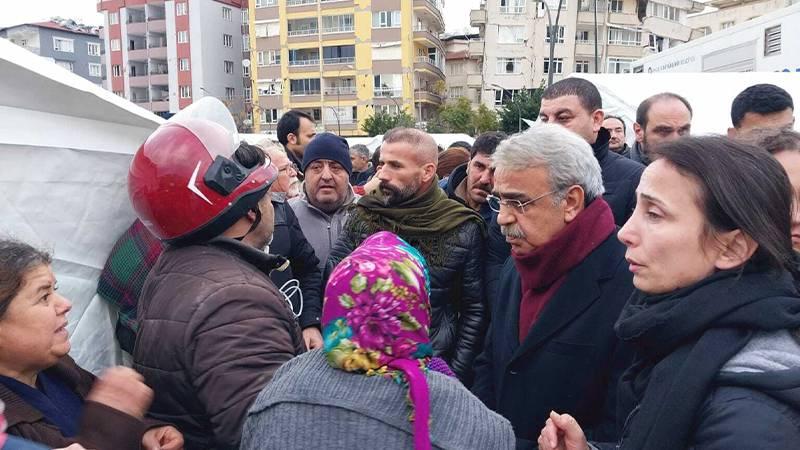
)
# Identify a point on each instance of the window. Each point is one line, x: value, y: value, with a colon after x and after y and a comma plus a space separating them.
x: 180, y: 9
x: 727, y: 24
x: 772, y: 41
x: 116, y: 70
x: 245, y: 71
x: 512, y: 6
x: 115, y: 44
x: 270, y: 115
x: 268, y: 58
x: 265, y: 3
x: 705, y: 31
x: 665, y: 12
x: 95, y: 70
x: 455, y: 92
x: 557, y: 65
x: 185, y: 91
x: 119, y: 93
x: 615, y: 6
x: 618, y: 36
x: 270, y: 88
x: 113, y: 18
x: 63, y: 45
x: 507, y: 34
x: 228, y: 67
x: 508, y: 66
x: 337, y: 24
x: 388, y: 84
x: 92, y: 48
x: 227, y: 40
x: 619, y: 65
x: 560, y: 34
x: 226, y: 14
x: 553, y: 4
x: 246, y: 42
x: 386, y: 19
x: 305, y: 86
x: 248, y: 93
x: 183, y: 37
x: 245, y: 16
x: 230, y: 93
x: 503, y: 96
x: 582, y: 36
x: 183, y: 64
x: 582, y: 66
x: 455, y: 68
x: 66, y: 64
x: 339, y: 54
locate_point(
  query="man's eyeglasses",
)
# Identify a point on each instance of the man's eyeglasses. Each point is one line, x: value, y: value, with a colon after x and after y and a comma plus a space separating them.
x: 495, y: 202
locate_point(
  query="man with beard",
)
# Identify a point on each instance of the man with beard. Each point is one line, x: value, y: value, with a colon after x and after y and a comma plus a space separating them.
x: 449, y: 235
x: 616, y: 127
x: 470, y: 183
x: 661, y: 118
x: 551, y: 344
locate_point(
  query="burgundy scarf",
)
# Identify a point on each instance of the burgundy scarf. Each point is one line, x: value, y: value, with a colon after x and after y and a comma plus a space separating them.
x: 543, y: 270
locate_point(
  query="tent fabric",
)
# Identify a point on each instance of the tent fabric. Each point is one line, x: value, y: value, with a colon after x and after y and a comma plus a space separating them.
x: 65, y: 148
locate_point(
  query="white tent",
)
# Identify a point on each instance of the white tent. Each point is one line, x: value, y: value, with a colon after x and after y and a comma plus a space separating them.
x: 710, y: 94
x: 65, y: 148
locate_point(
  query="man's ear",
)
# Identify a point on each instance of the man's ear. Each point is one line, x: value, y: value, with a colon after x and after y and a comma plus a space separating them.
x: 736, y: 248
x: 639, y: 131
x: 597, y: 119
x: 291, y: 138
x: 428, y: 172
x: 573, y: 203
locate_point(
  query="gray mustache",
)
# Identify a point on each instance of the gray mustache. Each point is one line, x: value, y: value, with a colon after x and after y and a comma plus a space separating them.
x: 512, y: 231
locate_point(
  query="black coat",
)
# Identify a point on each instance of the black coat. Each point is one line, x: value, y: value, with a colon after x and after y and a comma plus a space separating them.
x: 361, y: 178
x: 458, y: 309
x: 456, y: 177
x: 571, y: 359
x: 289, y: 241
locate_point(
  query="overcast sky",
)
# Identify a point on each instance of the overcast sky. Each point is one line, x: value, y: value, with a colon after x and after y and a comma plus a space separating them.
x: 456, y: 14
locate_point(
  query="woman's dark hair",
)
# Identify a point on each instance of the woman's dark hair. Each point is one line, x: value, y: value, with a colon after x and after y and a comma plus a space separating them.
x: 376, y: 158
x: 249, y: 156
x: 16, y: 260
x: 741, y: 187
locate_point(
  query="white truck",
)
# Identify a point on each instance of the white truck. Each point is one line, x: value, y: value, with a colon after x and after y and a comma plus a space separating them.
x: 770, y: 43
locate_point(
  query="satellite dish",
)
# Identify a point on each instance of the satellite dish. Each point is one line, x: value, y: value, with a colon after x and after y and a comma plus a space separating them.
x: 245, y: 63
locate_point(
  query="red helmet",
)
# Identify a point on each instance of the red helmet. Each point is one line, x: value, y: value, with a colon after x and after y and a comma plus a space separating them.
x: 184, y: 185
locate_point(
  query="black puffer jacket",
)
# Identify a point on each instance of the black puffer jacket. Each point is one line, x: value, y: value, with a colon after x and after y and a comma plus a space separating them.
x: 458, y: 311
x: 620, y: 178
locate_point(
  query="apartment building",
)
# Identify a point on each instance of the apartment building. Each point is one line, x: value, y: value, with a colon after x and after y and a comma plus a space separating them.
x: 342, y: 60
x: 464, y: 56
x: 162, y: 55
x: 596, y: 36
x: 71, y: 46
x: 722, y: 14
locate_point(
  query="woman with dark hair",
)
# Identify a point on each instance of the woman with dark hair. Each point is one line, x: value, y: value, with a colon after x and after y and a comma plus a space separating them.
x: 48, y: 398
x: 715, y: 317
x: 377, y: 361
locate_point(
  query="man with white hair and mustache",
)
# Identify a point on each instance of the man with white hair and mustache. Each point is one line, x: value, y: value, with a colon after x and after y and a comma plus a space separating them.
x: 551, y: 343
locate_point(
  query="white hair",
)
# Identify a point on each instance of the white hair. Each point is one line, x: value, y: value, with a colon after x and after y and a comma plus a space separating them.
x: 269, y: 145
x: 569, y: 159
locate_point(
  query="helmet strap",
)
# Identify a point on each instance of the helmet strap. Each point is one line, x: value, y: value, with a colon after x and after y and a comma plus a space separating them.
x: 257, y: 211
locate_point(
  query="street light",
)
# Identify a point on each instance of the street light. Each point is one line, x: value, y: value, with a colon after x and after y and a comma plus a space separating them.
x: 519, y: 108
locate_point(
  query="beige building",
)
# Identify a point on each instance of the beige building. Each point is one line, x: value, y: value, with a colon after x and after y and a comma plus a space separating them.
x: 722, y: 14
x: 464, y: 55
x: 341, y: 60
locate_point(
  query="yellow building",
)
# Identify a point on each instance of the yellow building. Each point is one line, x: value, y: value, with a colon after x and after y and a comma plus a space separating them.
x: 341, y: 60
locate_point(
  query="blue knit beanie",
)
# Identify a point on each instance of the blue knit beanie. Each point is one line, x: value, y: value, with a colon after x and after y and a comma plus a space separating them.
x: 328, y: 146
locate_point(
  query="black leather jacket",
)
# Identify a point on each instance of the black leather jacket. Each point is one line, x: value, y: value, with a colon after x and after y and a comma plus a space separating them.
x: 458, y: 309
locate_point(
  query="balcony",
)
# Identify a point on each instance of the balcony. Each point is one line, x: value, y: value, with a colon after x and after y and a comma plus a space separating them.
x: 305, y: 93
x: 477, y: 17
x: 300, y: 2
x: 304, y: 62
x: 427, y: 38
x: 426, y: 96
x: 160, y: 79
x: 342, y: 29
x: 388, y: 92
x: 476, y: 48
x: 513, y: 10
x: 304, y: 32
x: 157, y: 25
x: 139, y: 81
x: 340, y: 90
x: 332, y: 61
x: 430, y: 10
x: 159, y: 106
x: 136, y: 28
x: 426, y: 63
x: 474, y: 80
x: 137, y: 55
x: 586, y: 47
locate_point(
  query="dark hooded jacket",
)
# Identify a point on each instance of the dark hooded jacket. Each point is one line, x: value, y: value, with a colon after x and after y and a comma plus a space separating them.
x: 457, y: 176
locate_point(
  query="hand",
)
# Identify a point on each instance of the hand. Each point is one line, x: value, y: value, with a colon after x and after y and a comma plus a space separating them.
x: 562, y: 432
x: 123, y: 389
x: 162, y: 438
x: 72, y: 447
x: 373, y: 183
x: 312, y: 338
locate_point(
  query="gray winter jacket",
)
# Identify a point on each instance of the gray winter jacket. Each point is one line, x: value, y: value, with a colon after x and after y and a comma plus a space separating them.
x: 309, y: 404
x: 322, y: 230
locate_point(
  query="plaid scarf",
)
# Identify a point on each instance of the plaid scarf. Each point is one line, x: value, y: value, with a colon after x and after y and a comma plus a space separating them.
x: 124, y: 274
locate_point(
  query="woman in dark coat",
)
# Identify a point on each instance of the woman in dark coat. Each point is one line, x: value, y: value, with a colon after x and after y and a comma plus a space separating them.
x: 49, y: 399
x: 716, y: 315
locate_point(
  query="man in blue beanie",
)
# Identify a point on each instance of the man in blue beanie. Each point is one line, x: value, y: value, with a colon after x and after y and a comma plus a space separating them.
x: 322, y: 207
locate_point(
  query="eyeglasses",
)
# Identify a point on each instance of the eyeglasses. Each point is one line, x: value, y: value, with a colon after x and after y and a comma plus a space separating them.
x: 495, y: 202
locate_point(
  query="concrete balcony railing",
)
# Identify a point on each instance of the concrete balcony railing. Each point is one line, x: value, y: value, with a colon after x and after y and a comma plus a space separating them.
x: 474, y: 80
x: 304, y: 62
x: 476, y: 48
x: 160, y: 79
x: 139, y: 81
x: 432, y: 8
x: 157, y: 25
x: 340, y: 90
x: 477, y: 17
x: 515, y: 10
x: 305, y: 93
x: 423, y: 95
x: 346, y: 60
x: 388, y: 92
x: 429, y: 64
x: 137, y: 55
x: 304, y: 32
x: 136, y: 28
x: 300, y: 2
x: 332, y: 30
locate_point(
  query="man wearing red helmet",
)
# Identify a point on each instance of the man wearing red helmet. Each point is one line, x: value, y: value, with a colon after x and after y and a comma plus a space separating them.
x: 213, y: 328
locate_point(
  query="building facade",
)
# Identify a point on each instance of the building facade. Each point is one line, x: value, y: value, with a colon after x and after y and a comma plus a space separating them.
x: 75, y: 48
x: 722, y: 14
x: 342, y: 60
x: 162, y: 55
x: 595, y: 36
x: 464, y: 56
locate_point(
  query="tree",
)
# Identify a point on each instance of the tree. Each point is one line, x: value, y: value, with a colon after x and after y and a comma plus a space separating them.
x: 458, y: 116
x: 485, y: 120
x: 381, y: 122
x: 524, y: 105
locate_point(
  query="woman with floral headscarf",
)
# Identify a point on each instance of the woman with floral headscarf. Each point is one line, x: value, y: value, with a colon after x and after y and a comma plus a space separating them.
x: 375, y: 383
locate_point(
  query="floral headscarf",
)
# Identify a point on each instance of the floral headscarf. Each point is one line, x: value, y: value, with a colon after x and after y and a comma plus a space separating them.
x: 376, y: 319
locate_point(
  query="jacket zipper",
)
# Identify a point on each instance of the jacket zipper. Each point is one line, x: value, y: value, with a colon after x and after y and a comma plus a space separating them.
x: 627, y: 422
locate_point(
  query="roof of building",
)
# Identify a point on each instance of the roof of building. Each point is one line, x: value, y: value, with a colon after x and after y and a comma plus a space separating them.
x: 78, y: 29
x: 450, y: 37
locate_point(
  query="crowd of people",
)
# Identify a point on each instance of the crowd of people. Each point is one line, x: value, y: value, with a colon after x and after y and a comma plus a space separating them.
x: 553, y: 289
